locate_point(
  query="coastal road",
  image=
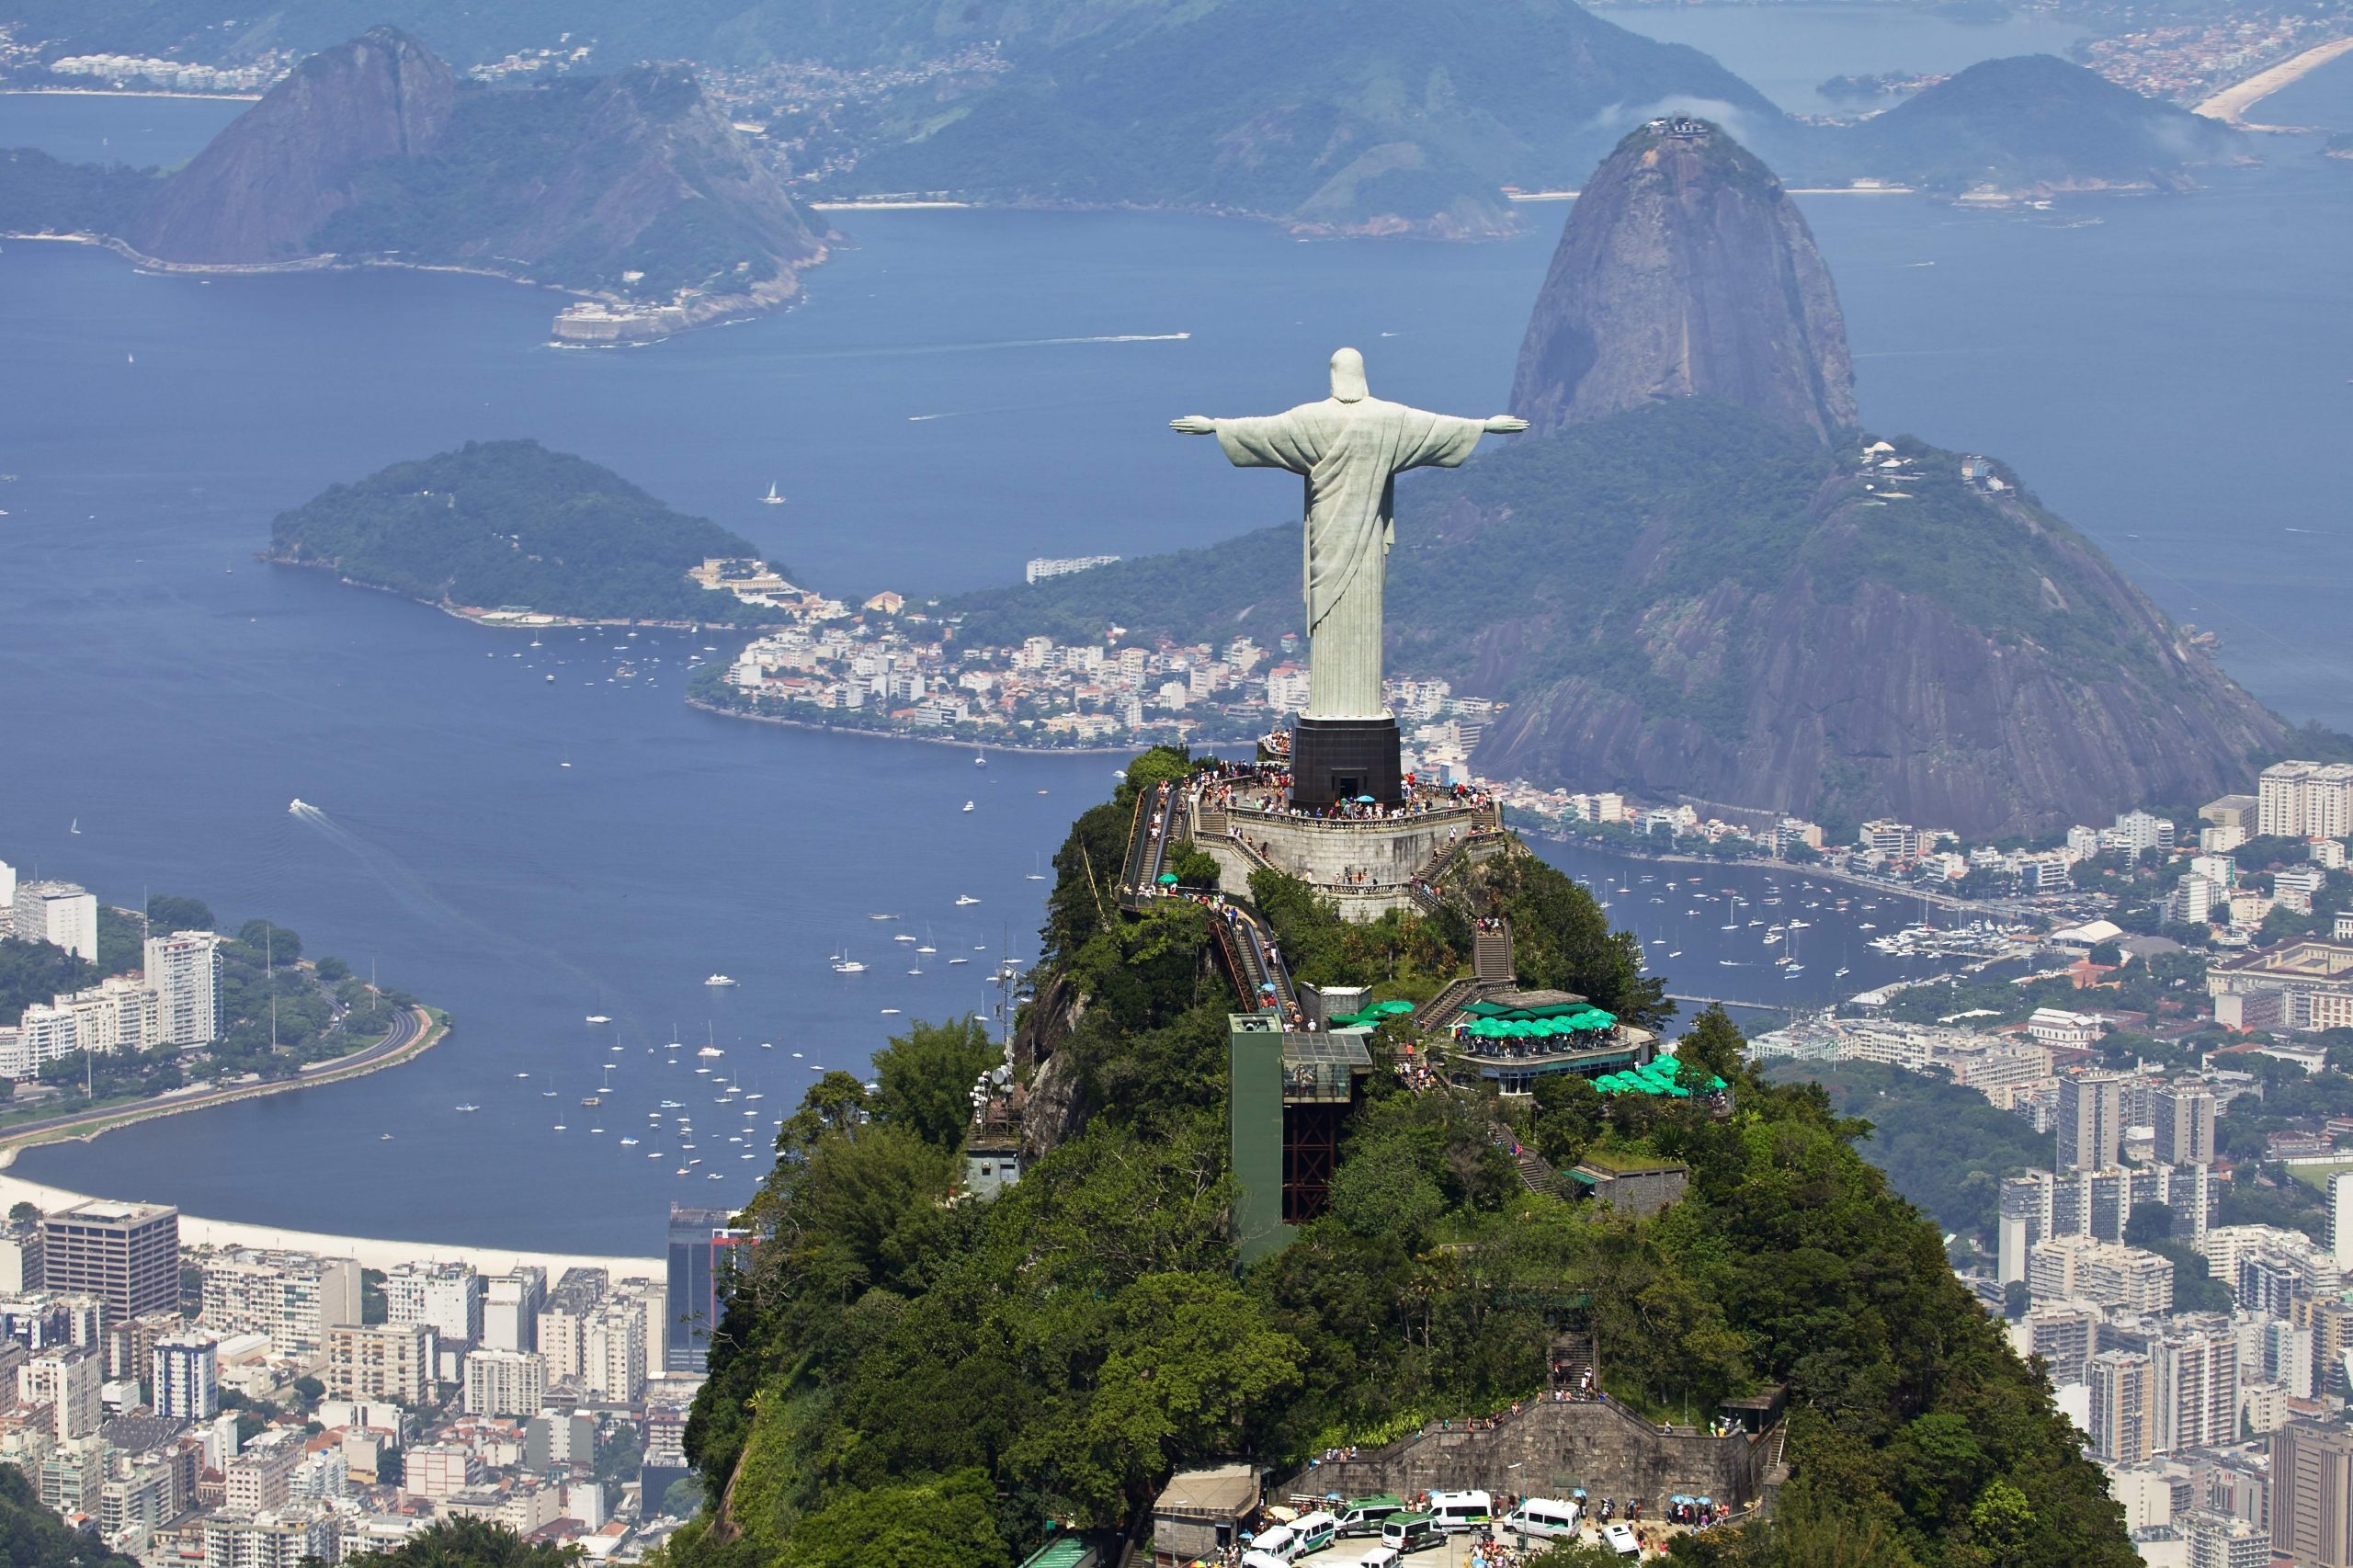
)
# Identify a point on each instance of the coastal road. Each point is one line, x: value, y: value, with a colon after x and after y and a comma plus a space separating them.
x: 415, y: 1032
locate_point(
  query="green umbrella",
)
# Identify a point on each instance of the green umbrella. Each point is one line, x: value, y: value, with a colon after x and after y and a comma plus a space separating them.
x: 1169, y: 879
x: 1396, y: 1009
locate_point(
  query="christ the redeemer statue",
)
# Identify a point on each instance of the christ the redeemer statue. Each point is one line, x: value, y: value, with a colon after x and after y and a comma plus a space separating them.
x: 1351, y: 447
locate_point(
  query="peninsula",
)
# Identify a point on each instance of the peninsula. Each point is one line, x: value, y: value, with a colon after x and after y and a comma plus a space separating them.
x: 109, y: 1017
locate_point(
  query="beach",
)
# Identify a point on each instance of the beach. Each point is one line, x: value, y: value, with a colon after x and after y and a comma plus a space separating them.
x: 2230, y: 106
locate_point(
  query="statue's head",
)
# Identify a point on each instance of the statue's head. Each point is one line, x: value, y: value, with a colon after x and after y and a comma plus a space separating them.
x: 1347, y: 377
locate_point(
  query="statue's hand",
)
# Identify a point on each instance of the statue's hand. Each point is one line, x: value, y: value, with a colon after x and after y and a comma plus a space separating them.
x: 1194, y: 425
x: 1505, y: 425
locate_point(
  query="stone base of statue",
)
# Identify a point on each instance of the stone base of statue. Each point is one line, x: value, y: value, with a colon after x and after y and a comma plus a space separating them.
x: 1341, y: 759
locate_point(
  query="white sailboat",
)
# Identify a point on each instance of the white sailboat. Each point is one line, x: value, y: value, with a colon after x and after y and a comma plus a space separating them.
x: 772, y: 498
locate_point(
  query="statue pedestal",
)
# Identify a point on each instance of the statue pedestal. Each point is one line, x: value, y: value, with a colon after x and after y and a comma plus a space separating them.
x: 1339, y: 759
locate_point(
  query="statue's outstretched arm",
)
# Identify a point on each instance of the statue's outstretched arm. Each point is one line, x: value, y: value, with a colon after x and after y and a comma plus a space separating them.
x: 1201, y: 425
x: 1505, y: 425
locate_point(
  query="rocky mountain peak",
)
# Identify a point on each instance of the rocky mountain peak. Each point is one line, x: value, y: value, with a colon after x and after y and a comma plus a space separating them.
x: 265, y: 184
x: 1685, y: 270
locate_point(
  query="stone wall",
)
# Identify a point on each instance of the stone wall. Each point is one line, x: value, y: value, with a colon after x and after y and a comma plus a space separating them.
x: 1546, y: 1451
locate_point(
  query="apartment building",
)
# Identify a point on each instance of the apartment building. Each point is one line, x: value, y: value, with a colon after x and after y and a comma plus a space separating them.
x: 127, y: 1255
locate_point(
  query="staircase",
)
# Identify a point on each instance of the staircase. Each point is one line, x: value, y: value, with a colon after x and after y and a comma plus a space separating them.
x: 1491, y: 961
x: 1460, y: 993
x: 1534, y: 1173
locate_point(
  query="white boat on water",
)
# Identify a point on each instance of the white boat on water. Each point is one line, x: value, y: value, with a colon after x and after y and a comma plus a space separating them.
x: 964, y: 898
x: 849, y: 966
x: 968, y: 805
x: 772, y: 498
x: 719, y: 980
x: 599, y: 1018
x: 980, y: 759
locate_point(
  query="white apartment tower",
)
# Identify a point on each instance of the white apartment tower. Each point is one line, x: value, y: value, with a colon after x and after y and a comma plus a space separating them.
x: 2340, y: 1219
x: 184, y: 971
x: 612, y: 1351
x: 2305, y: 800
x: 447, y: 1297
x: 2197, y: 1390
x: 188, y: 1376
x: 510, y: 1310
x: 504, y: 1382
x: 61, y: 913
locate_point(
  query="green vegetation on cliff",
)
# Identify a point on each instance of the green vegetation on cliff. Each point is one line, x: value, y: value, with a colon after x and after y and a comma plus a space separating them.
x: 996, y: 1370
x: 511, y: 525
x: 33, y: 1536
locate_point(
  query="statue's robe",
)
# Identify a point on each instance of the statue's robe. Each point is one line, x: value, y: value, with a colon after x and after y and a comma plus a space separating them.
x: 1350, y: 454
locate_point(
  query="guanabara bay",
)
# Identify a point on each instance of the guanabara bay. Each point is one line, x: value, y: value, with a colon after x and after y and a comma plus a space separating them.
x: 1082, y: 784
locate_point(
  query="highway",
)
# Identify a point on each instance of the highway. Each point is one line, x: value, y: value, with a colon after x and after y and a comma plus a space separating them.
x: 411, y: 1036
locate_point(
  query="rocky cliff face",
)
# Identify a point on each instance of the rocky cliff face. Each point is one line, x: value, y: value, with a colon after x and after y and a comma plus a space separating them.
x: 286, y: 165
x: 1685, y: 271
x: 1756, y: 623
x: 634, y: 185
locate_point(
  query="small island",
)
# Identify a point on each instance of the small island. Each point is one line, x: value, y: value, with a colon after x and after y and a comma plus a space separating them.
x: 510, y: 531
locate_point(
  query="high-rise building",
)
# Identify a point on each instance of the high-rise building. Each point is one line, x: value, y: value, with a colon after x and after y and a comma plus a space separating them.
x: 292, y: 1296
x: 274, y: 1538
x: 2196, y: 1392
x: 564, y: 1317
x: 2340, y: 1219
x: 262, y: 1475
x: 131, y: 1343
x: 384, y: 1361
x: 61, y: 913
x: 2287, y: 1356
x: 127, y: 1255
x: 2305, y: 800
x: 2219, y: 1540
x: 2090, y: 1120
x: 184, y: 971
x: 21, y: 1263
x: 612, y: 1352
x: 510, y: 1309
x: 703, y: 1249
x: 2331, y: 1321
x: 2123, y: 1405
x: 66, y: 1378
x: 504, y: 1382
x: 188, y: 1376
x: 2311, y: 1494
x: 445, y: 1296
x: 2183, y: 1112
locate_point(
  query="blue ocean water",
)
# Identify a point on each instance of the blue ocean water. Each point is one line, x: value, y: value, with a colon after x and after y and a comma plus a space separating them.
x: 961, y: 391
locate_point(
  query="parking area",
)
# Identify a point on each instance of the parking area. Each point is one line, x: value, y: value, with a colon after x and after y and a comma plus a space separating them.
x: 1458, y: 1551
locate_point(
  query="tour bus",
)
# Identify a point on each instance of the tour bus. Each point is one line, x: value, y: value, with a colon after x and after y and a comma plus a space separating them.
x: 1366, y: 1515
x: 1550, y: 1518
x: 1404, y: 1533
x: 1461, y: 1510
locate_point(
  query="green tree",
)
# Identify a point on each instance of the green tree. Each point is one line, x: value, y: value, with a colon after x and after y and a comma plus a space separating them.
x: 169, y: 911
x: 2001, y: 1525
x: 925, y: 1078
x: 468, y: 1543
x: 935, y: 1524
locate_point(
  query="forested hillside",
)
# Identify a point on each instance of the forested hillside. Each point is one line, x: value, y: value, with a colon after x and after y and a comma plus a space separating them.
x: 905, y: 1373
x: 509, y: 524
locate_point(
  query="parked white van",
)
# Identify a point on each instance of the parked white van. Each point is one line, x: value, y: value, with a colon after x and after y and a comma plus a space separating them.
x: 1461, y: 1510
x: 1550, y: 1518
x: 1619, y: 1538
x: 1314, y: 1532
x: 1279, y: 1542
x: 1381, y: 1557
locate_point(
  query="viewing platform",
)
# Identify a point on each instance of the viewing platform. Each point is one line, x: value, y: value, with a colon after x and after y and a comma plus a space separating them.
x: 1367, y: 856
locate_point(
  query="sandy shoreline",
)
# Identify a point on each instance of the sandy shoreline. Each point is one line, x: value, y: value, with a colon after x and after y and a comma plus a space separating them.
x: 2230, y: 106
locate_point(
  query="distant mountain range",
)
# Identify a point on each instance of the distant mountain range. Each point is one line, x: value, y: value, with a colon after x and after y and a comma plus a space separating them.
x: 632, y: 185
x: 1706, y: 584
x: 1380, y: 115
